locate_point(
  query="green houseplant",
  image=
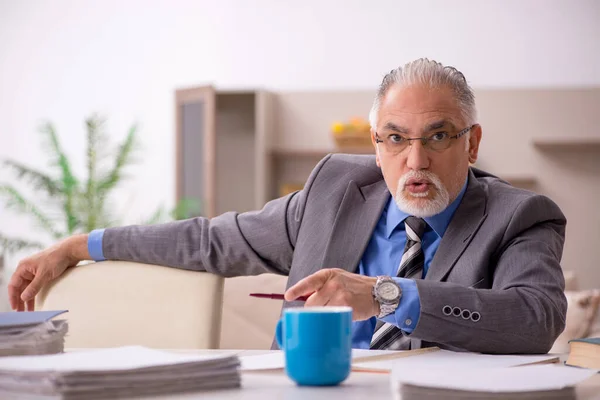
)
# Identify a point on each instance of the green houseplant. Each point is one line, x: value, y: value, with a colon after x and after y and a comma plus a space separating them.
x: 66, y: 204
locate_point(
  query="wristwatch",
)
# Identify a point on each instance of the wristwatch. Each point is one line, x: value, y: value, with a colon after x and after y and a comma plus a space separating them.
x: 387, y: 293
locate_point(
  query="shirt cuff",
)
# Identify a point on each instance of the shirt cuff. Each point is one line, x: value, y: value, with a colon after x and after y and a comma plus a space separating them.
x: 95, y: 245
x: 408, y: 311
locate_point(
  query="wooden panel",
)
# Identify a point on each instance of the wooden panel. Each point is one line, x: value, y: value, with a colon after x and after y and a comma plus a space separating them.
x: 235, y: 162
x: 264, y: 138
x: 204, y: 96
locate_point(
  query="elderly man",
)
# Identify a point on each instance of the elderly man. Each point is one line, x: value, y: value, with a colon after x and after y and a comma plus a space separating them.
x: 426, y: 249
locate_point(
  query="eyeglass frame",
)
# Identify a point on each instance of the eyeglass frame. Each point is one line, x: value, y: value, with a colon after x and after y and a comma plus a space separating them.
x: 425, y: 140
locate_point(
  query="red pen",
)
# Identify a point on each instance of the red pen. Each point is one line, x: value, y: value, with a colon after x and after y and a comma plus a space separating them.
x: 276, y: 296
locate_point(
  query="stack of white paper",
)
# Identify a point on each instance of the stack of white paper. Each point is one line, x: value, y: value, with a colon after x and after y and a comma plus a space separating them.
x: 528, y: 382
x: 115, y: 373
x: 27, y: 333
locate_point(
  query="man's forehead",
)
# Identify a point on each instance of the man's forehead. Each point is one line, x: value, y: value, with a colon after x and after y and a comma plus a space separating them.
x: 406, y: 105
x: 419, y: 98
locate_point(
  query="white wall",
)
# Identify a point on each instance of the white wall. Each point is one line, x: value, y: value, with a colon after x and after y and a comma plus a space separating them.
x: 63, y: 60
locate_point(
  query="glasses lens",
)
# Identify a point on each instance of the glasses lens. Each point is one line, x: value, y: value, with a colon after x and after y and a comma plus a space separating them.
x: 395, y: 145
x: 439, y: 145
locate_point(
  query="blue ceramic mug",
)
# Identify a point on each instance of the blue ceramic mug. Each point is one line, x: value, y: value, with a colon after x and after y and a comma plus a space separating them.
x: 317, y: 343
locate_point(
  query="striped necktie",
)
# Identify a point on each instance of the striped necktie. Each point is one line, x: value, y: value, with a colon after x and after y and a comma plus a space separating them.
x: 388, y: 336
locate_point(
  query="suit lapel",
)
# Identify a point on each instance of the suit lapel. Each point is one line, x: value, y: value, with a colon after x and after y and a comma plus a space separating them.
x: 354, y: 224
x: 467, y: 219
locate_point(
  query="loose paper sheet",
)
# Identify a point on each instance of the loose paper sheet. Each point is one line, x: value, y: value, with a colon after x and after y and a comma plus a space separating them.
x: 276, y: 360
x: 496, y: 380
x: 119, y: 358
x: 385, y: 360
x: 452, y: 359
x: 13, y: 319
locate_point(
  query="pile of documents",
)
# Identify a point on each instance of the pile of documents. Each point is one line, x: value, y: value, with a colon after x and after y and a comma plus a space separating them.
x: 115, y: 373
x: 530, y: 382
x: 29, y: 333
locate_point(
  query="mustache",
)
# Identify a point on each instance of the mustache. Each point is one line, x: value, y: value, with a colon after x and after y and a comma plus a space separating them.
x: 421, y: 175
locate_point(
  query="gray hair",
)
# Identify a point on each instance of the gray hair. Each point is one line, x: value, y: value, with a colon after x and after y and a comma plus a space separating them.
x: 433, y: 74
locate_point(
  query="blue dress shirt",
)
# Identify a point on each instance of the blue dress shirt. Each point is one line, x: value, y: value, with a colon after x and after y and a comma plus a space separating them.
x: 382, y: 257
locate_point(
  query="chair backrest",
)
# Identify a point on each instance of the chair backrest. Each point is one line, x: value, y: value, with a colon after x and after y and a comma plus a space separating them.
x: 115, y: 303
x: 255, y: 317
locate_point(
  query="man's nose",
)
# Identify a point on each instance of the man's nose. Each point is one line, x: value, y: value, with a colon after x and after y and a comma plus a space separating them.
x: 418, y: 157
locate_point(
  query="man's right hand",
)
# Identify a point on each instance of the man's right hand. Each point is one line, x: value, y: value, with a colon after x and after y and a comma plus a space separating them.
x: 34, y: 272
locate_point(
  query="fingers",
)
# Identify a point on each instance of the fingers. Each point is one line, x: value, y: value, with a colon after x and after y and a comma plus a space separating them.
x: 24, y: 285
x: 31, y: 305
x: 20, y: 305
x: 15, y: 288
x: 36, y: 271
x: 308, y: 285
x: 336, y: 287
x: 34, y: 287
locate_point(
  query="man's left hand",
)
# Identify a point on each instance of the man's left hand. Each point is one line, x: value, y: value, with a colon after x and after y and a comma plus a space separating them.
x: 336, y: 287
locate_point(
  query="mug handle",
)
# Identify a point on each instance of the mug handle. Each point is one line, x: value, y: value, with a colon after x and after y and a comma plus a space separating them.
x: 279, y: 333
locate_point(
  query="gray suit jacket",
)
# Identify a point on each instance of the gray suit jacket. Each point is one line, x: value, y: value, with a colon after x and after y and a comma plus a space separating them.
x: 500, y: 256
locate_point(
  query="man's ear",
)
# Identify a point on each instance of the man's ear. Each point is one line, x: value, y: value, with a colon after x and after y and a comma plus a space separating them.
x: 373, y: 140
x: 474, y: 140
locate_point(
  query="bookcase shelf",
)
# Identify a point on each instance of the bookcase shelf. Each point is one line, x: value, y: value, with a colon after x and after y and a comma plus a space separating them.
x: 291, y: 167
x: 317, y: 153
x: 521, y: 181
x: 567, y: 144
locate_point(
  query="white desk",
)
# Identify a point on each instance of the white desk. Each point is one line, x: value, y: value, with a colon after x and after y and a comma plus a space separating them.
x: 359, y: 386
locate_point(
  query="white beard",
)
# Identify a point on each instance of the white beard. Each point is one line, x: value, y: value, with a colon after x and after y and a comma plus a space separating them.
x: 415, y: 203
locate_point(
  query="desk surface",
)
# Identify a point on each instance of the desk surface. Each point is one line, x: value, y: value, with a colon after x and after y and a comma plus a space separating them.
x: 359, y: 386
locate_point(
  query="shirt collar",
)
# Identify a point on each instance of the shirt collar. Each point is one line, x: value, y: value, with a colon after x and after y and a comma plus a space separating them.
x: 439, y: 222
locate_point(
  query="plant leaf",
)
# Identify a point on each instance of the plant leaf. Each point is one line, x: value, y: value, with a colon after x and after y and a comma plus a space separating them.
x: 68, y: 180
x: 12, y: 245
x: 93, y: 127
x: 17, y: 202
x: 37, y: 179
x: 186, y: 208
x: 123, y: 159
x: 106, y: 217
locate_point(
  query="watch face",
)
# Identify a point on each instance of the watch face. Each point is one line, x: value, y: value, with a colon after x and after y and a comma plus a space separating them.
x: 389, y: 291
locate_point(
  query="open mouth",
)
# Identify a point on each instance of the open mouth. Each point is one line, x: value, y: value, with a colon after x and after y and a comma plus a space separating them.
x: 418, y: 185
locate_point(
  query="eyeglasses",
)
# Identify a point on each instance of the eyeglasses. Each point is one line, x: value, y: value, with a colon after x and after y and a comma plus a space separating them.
x: 438, y: 141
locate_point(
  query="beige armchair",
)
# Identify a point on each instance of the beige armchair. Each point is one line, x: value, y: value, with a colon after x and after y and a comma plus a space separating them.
x: 256, y: 318
x: 115, y: 303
